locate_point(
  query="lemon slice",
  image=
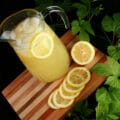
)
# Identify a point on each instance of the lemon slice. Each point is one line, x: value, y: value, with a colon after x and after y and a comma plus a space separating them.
x: 72, y: 89
x: 60, y: 102
x: 42, y: 45
x: 66, y: 94
x: 50, y: 101
x: 78, y: 76
x: 82, y: 52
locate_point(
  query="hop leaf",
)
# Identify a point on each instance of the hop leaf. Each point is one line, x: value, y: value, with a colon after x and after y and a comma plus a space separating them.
x: 113, y: 81
x: 101, y: 111
x: 114, y: 66
x: 115, y: 93
x: 82, y: 11
x: 114, y: 52
x: 103, y: 96
x: 113, y: 117
x: 83, y: 35
x: 102, y: 69
x: 75, y: 27
x: 87, y: 26
x: 107, y: 24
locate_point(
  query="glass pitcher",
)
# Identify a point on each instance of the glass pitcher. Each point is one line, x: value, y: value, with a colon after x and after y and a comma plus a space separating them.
x: 36, y: 44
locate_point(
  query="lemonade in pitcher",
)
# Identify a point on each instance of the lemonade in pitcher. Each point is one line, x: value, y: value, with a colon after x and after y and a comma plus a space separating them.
x: 39, y: 49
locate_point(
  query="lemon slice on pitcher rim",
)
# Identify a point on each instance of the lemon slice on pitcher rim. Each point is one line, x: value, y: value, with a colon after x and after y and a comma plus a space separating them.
x: 42, y: 45
x: 78, y: 76
x: 82, y: 52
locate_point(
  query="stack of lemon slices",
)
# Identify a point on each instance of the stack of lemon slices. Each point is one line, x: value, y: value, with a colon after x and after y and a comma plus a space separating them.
x: 82, y: 53
x: 70, y: 88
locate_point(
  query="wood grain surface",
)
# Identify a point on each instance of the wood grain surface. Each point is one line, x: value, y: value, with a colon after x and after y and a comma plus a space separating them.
x: 28, y: 96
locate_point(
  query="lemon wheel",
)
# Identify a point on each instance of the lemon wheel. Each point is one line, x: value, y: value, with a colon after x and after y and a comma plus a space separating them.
x: 50, y: 101
x: 42, y: 45
x: 82, y: 52
x: 78, y: 76
x: 71, y: 88
x: 60, y: 102
x: 66, y: 94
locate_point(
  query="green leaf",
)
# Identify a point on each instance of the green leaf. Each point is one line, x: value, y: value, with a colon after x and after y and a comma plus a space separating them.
x: 114, y: 66
x: 114, y: 52
x: 101, y: 111
x: 115, y: 93
x: 102, y: 69
x: 82, y: 12
x: 116, y: 18
x: 102, y: 96
x: 107, y: 24
x: 115, y: 108
x: 113, y: 81
x: 83, y: 35
x: 113, y: 117
x: 75, y: 27
x: 87, y: 27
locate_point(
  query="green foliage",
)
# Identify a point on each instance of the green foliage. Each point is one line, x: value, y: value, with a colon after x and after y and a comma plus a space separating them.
x: 102, y: 69
x: 103, y: 96
x: 112, y: 68
x: 82, y: 28
x: 107, y: 24
x: 112, y: 24
x: 81, y: 111
x: 108, y: 99
x: 103, y: 100
x: 75, y: 27
x: 114, y: 51
x: 108, y: 104
x: 84, y: 13
x: 109, y: 109
x: 113, y: 81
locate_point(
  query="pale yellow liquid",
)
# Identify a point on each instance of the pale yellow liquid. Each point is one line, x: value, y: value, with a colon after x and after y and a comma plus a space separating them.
x: 48, y: 69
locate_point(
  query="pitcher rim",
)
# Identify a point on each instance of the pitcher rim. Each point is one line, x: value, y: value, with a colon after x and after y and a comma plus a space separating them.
x: 13, y: 14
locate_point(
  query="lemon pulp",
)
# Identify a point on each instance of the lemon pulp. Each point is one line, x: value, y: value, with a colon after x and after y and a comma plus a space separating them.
x: 42, y: 45
x: 59, y: 101
x: 82, y: 52
x: 78, y: 76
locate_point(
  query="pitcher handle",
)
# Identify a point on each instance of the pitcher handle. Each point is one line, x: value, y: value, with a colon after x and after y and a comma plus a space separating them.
x: 60, y: 12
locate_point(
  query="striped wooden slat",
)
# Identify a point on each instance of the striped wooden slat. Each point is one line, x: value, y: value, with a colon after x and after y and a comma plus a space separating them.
x: 28, y: 96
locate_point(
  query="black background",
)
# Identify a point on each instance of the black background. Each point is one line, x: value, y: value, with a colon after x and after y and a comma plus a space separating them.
x: 10, y: 66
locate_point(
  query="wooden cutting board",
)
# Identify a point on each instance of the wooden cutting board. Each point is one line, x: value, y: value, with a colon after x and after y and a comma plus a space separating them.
x: 28, y: 96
